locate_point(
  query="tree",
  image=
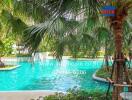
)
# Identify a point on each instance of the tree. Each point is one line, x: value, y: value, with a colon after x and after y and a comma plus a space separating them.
x: 1, y: 46
x: 1, y: 63
x: 11, y: 28
x: 59, y: 14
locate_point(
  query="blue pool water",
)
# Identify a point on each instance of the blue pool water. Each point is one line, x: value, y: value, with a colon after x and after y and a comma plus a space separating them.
x: 52, y: 75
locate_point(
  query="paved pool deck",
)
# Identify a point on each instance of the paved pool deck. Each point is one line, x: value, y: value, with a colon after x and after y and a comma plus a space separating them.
x: 25, y: 95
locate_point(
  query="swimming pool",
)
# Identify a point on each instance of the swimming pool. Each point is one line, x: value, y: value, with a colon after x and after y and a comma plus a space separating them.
x: 50, y: 74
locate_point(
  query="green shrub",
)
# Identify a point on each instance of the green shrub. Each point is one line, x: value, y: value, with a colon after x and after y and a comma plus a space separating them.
x: 7, y: 47
x: 74, y: 94
x: 103, y: 73
x: 23, y: 55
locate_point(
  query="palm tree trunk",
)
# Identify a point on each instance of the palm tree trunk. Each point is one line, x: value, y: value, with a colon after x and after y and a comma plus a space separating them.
x: 106, y: 57
x: 117, y: 25
x: 130, y: 58
x: 120, y: 73
x: 107, y: 62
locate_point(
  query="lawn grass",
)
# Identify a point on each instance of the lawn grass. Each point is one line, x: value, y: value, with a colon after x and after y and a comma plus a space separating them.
x: 7, y: 66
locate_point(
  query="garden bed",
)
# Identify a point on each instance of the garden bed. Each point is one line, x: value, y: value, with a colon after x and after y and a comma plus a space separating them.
x: 103, y: 73
x: 79, y: 95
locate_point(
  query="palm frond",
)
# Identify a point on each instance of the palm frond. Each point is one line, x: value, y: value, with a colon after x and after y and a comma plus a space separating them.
x: 102, y: 34
x: 127, y: 35
x: 17, y: 25
x: 43, y: 9
x: 57, y: 29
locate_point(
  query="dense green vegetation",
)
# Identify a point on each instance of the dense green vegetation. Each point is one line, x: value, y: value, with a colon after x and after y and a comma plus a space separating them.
x: 105, y: 73
x: 7, y: 66
x: 7, y: 49
x: 56, y: 26
x: 79, y: 95
x: 17, y: 19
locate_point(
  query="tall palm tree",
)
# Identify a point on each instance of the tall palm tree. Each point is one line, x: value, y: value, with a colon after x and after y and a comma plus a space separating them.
x: 58, y: 16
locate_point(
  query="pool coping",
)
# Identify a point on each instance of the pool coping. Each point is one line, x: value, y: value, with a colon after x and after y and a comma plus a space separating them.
x: 11, y: 68
x: 99, y: 79
x: 27, y: 94
x: 49, y: 57
x: 55, y: 91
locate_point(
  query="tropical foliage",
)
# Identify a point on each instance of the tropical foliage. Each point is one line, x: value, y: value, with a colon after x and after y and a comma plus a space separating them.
x: 104, y: 73
x: 76, y: 23
x: 6, y: 48
x: 67, y: 29
x: 74, y: 94
x: 72, y: 25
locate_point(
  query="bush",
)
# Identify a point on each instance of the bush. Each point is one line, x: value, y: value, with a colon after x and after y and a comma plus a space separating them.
x: 103, y: 73
x: 7, y: 47
x: 23, y: 55
x: 74, y: 94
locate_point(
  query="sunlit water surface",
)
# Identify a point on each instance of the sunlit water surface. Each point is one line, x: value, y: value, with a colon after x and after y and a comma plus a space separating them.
x: 50, y: 74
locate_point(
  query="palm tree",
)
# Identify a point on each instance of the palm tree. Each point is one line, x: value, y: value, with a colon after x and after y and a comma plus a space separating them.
x: 58, y: 21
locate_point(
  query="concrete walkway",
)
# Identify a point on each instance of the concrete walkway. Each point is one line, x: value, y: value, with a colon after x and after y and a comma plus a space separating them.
x: 24, y: 95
